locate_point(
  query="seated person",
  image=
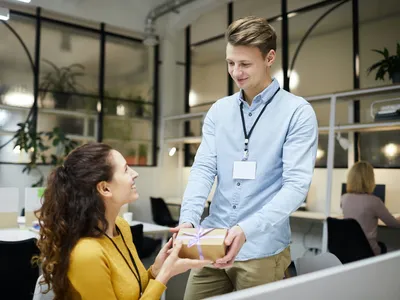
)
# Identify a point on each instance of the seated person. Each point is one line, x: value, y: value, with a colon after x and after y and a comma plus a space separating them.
x: 87, y: 252
x: 360, y: 204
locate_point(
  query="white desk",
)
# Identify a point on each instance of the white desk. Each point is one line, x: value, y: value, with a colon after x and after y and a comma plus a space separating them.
x: 178, y: 201
x: 16, y: 234
x: 319, y: 216
x: 154, y: 230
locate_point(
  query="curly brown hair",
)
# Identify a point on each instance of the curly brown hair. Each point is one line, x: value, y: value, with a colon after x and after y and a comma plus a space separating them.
x: 72, y: 209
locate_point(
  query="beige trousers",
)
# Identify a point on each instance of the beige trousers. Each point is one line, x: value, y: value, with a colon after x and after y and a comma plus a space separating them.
x: 209, y: 281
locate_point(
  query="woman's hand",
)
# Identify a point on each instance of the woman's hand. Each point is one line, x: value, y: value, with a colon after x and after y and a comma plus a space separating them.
x: 161, y: 257
x: 174, y: 265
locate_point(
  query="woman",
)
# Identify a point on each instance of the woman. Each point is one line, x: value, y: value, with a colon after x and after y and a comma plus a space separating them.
x: 359, y: 204
x: 86, y: 249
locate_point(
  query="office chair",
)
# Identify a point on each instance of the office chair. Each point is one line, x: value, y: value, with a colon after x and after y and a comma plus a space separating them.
x: 308, y: 264
x: 17, y: 274
x: 347, y: 241
x: 161, y: 213
x: 145, y: 246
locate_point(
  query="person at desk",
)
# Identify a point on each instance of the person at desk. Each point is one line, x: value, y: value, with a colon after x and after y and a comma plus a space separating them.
x: 261, y: 143
x: 360, y: 204
x: 87, y: 252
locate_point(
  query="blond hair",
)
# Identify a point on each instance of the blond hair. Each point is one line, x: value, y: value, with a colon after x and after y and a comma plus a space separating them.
x: 361, y: 178
x: 252, y: 31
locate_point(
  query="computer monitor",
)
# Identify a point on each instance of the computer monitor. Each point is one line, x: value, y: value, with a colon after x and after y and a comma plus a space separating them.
x: 379, y: 191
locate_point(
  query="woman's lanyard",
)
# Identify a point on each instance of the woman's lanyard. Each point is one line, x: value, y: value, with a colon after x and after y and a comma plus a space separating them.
x: 137, y: 275
x: 247, y: 135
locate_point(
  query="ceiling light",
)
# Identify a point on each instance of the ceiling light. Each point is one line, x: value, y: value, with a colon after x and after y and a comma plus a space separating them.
x: 20, y: 99
x: 25, y: 1
x: 294, y: 78
x: 343, y: 142
x: 390, y: 150
x: 4, y: 14
x: 172, y: 151
x: 320, y: 153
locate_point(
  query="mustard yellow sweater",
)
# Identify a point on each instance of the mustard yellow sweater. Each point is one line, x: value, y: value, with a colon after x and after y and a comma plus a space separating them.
x: 97, y: 270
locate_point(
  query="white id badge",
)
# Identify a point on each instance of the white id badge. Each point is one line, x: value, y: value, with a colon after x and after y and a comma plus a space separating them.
x: 244, y: 170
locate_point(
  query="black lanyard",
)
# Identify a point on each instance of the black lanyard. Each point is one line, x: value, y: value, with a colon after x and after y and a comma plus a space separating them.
x: 247, y: 135
x: 137, y: 275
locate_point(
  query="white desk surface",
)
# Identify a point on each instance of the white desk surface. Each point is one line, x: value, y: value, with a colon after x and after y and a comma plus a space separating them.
x: 16, y: 234
x: 319, y: 216
x: 178, y: 201
x: 151, y: 228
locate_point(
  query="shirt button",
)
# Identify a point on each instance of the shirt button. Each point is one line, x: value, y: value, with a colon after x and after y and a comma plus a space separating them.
x: 250, y: 114
x: 234, y: 207
x: 238, y: 184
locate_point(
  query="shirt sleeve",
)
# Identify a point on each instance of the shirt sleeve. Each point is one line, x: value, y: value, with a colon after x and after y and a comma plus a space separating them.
x: 202, y: 174
x: 383, y: 213
x: 298, y: 158
x: 89, y: 272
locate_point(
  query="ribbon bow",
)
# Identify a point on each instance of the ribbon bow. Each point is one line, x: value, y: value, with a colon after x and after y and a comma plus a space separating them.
x: 197, y: 236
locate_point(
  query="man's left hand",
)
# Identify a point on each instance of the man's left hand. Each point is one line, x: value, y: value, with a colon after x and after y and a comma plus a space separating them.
x: 234, y: 241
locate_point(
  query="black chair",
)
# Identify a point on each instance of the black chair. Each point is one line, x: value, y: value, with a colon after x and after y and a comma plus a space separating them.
x: 161, y: 214
x: 347, y: 240
x: 17, y: 274
x: 145, y: 246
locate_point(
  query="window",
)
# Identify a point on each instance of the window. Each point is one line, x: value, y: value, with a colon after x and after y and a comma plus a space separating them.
x: 128, y: 103
x: 380, y: 148
x: 16, y: 81
x: 378, y: 20
x: 69, y: 86
x: 324, y: 62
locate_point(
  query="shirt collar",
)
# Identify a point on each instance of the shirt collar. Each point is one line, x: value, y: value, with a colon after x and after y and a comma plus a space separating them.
x: 265, y: 94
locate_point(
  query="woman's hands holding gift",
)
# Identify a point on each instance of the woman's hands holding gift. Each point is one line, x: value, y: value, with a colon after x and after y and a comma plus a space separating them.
x: 174, y: 265
x: 161, y: 257
x: 234, y: 241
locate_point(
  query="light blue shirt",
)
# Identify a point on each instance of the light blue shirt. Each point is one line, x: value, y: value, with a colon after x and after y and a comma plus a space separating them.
x: 283, y: 144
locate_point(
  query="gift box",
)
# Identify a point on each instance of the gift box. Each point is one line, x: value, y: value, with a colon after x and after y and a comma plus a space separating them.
x: 202, y: 243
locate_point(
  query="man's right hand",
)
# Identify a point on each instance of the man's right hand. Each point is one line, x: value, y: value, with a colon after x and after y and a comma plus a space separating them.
x: 176, y: 229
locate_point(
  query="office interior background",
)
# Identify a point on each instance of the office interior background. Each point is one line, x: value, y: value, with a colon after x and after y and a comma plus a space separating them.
x: 126, y: 92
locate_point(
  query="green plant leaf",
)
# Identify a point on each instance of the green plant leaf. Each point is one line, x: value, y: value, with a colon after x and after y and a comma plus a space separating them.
x: 54, y: 159
x: 39, y: 183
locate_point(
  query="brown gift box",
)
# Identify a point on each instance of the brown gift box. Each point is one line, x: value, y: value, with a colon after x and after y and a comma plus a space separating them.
x: 211, y: 241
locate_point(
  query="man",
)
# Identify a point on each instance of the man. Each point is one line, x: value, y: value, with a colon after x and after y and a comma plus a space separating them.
x: 261, y: 144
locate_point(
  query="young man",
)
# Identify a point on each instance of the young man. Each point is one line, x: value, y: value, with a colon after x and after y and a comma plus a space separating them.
x: 261, y: 144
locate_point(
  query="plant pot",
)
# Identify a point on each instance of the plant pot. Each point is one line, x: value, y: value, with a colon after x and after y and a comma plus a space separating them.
x: 142, y: 160
x: 131, y: 160
x: 396, y: 77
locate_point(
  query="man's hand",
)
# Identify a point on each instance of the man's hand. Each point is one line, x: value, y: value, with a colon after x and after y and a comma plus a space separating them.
x: 176, y: 229
x: 234, y: 241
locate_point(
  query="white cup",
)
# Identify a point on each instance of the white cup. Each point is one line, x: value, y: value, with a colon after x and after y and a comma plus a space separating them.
x: 128, y: 216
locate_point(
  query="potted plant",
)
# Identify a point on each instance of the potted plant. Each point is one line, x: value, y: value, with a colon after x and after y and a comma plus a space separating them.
x: 131, y: 157
x: 389, y: 64
x: 142, y: 154
x: 61, y: 82
x: 140, y: 106
x: 36, y: 144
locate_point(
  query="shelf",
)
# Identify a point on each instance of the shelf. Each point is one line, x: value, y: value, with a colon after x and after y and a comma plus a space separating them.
x: 185, y: 140
x: 125, y: 118
x: 366, y: 127
x: 185, y: 116
x: 135, y: 141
